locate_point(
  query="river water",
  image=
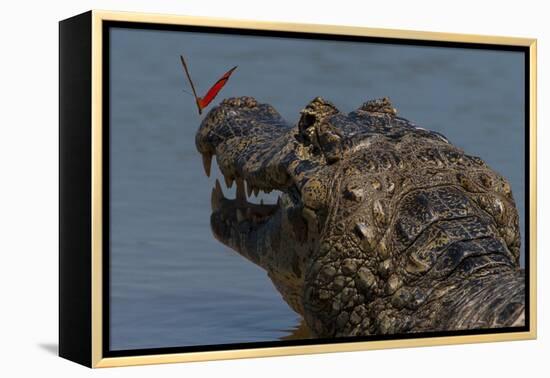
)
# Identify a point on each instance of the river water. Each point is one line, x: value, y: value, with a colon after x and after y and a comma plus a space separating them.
x: 172, y: 283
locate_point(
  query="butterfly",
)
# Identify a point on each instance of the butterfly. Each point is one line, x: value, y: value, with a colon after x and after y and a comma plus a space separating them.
x: 202, y: 102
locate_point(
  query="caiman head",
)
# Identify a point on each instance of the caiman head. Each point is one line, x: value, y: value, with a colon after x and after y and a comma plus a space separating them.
x: 380, y: 226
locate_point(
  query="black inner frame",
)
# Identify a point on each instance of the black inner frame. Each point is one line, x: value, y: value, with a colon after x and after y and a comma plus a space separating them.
x: 106, y: 27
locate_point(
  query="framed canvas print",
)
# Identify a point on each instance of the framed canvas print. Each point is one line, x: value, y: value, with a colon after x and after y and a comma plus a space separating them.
x: 234, y: 189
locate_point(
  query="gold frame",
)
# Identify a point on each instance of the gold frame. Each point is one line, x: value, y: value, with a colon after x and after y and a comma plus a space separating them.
x: 99, y: 16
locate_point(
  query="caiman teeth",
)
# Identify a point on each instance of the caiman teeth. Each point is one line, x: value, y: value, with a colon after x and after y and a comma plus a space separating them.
x: 207, y: 162
x: 241, y: 196
x: 228, y: 181
x: 217, y: 197
x: 240, y: 208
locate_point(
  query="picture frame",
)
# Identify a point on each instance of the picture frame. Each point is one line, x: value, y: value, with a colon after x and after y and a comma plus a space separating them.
x: 85, y: 271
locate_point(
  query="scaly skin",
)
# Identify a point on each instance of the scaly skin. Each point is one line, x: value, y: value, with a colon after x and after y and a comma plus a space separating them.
x: 381, y: 228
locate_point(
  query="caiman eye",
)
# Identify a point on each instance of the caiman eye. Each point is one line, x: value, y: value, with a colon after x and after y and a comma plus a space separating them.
x: 306, y: 128
x: 315, y: 129
x: 315, y: 112
x: 329, y: 139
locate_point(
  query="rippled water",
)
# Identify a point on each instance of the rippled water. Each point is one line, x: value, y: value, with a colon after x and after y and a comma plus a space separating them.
x: 173, y: 284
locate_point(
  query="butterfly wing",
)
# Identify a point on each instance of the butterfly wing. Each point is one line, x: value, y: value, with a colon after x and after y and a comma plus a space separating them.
x: 213, y: 91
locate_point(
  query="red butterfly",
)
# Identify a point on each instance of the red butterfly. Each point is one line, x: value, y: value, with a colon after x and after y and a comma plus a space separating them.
x: 202, y: 102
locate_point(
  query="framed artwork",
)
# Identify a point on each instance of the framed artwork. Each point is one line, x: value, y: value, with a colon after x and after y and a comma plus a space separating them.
x: 235, y: 189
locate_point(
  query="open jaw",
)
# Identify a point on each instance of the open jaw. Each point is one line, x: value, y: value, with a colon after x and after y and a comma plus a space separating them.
x: 239, y: 223
x: 270, y: 235
x: 250, y: 142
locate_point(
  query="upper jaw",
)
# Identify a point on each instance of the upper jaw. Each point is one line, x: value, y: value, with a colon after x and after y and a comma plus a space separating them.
x: 248, y: 140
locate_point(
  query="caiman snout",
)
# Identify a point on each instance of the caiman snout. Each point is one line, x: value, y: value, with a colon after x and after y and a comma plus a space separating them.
x: 255, y: 149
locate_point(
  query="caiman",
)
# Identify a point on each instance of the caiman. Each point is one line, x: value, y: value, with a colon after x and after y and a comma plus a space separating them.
x: 381, y: 226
